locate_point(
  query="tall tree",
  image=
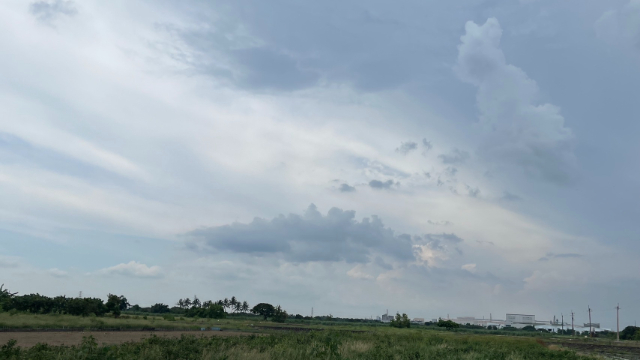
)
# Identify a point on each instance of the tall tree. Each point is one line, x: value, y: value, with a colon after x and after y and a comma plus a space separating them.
x: 113, y: 304
x: 264, y: 309
x: 245, y: 307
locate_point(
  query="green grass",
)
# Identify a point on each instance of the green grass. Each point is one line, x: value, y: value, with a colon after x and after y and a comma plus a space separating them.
x: 382, y: 344
x: 55, y: 321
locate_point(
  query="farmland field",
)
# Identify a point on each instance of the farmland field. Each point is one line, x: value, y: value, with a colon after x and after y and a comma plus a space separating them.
x: 26, y: 336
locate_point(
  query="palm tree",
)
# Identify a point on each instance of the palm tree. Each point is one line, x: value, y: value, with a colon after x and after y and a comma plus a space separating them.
x: 245, y: 307
x: 233, y: 302
x: 238, y: 307
x: 226, y: 303
x: 180, y: 304
x: 196, y: 301
x: 187, y: 302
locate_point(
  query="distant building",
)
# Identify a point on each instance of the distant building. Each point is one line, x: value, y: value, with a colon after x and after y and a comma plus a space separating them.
x: 593, y: 325
x: 418, y: 320
x: 520, y: 320
x: 386, y: 318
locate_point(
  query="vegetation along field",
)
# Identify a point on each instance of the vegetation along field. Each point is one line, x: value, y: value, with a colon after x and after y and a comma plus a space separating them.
x: 39, y: 327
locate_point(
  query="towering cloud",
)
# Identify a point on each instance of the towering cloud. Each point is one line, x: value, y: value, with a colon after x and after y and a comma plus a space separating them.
x: 519, y: 130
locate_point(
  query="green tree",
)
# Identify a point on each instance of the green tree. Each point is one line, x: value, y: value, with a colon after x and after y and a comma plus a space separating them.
x: 245, y: 307
x: 113, y: 305
x: 264, y: 309
x: 630, y: 333
x: 159, y: 308
x: 448, y: 324
x: 209, y: 310
x: 279, y: 314
x: 401, y: 321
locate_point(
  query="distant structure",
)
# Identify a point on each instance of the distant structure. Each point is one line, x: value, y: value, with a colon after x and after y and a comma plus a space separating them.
x: 418, y: 320
x: 520, y: 320
x: 592, y: 325
x: 386, y: 318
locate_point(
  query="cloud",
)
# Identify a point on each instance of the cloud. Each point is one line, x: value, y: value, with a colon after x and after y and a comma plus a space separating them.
x: 434, y: 249
x: 451, y: 171
x: 383, y: 264
x: 510, y: 197
x: 57, y: 273
x: 334, y: 237
x: 456, y: 156
x: 358, y: 273
x: 134, y: 269
x: 426, y: 145
x: 9, y: 262
x: 439, y: 223
x: 518, y: 130
x: 473, y: 192
x: 48, y: 11
x: 377, y: 184
x: 453, y: 238
x: 347, y: 188
x: 551, y: 256
x: 407, y: 147
x: 621, y: 27
x: 469, y: 267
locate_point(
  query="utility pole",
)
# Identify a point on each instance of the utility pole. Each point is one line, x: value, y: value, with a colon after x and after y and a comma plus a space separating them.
x: 312, y: 312
x: 618, y: 322
x: 572, y: 329
x: 562, y: 315
x: 590, y: 326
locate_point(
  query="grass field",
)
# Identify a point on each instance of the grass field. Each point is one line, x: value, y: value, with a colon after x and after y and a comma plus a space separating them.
x: 292, y: 340
x: 381, y: 344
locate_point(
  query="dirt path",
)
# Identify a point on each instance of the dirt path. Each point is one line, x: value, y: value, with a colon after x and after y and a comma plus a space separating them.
x: 28, y: 339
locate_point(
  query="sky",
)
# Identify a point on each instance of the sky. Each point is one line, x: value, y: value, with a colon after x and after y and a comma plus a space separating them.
x: 434, y: 158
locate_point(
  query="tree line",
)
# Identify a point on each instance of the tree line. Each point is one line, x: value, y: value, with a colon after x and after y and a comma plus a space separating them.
x: 115, y: 305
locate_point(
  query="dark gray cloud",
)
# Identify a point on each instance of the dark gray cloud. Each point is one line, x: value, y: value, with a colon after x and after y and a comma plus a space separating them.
x: 48, y: 11
x: 377, y: 184
x: 551, y: 256
x: 407, y: 147
x: 456, y: 156
x: 307, y: 237
x: 347, y: 188
x: 426, y: 145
